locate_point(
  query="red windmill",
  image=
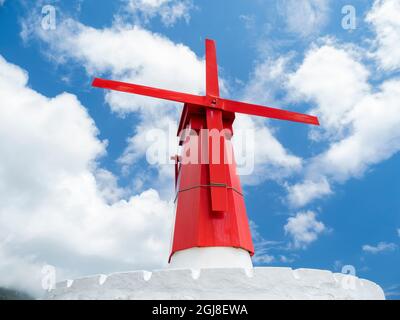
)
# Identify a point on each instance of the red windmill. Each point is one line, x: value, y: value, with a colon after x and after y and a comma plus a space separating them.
x: 210, y: 208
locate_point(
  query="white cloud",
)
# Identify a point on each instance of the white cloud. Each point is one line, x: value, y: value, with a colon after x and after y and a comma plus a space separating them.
x: 131, y: 54
x: 375, y: 135
x: 380, y: 247
x: 304, y: 228
x: 249, y: 21
x: 266, y: 79
x: 107, y: 185
x: 384, y: 18
x: 392, y: 291
x: 262, y: 247
x: 305, y: 17
x: 169, y: 11
x: 271, y: 159
x: 398, y: 232
x: 157, y: 141
x: 263, y: 258
x: 285, y: 259
x: 266, y: 250
x: 338, y: 265
x: 57, y: 205
x: 326, y: 71
x: 302, y: 193
x: 361, y: 124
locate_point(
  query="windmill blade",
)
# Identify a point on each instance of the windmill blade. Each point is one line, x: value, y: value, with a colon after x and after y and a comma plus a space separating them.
x: 257, y: 110
x: 148, y: 91
x: 217, y: 174
x: 212, y: 87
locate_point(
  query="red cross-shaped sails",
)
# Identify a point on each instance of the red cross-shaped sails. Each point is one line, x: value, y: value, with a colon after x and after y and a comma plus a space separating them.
x: 214, y: 107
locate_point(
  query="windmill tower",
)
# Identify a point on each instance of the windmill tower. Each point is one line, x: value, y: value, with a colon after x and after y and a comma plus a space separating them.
x: 211, y: 226
x: 211, y: 243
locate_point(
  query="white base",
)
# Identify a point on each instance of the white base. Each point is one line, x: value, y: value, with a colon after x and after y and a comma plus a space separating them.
x: 220, y: 283
x: 211, y: 257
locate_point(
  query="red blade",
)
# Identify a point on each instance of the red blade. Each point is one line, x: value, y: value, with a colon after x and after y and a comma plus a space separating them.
x: 212, y: 87
x: 148, y: 91
x: 256, y: 110
x: 218, y: 183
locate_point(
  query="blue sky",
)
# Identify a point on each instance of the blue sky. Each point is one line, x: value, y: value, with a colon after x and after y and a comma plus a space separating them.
x: 318, y: 198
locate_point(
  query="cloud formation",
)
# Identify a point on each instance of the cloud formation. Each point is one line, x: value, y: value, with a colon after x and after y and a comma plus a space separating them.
x: 169, y: 11
x: 380, y: 247
x: 306, y: 17
x: 384, y: 19
x: 55, y: 208
x: 359, y: 116
x: 361, y: 124
x: 304, y: 228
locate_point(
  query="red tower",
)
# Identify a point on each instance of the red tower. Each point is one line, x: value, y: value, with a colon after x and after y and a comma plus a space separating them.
x: 210, y: 208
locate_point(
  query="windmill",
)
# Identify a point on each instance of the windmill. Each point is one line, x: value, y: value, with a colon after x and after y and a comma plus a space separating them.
x: 210, y: 209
